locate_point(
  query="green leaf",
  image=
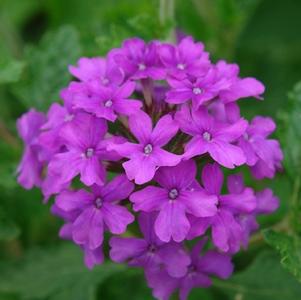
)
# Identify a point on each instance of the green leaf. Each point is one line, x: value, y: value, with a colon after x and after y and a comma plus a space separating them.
x: 47, y: 70
x: 10, y: 70
x: 265, y: 279
x: 55, y: 274
x: 292, y: 141
x: 289, y: 248
x: 8, y: 229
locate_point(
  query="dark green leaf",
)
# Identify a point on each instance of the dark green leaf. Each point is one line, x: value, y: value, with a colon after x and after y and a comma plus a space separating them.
x: 289, y: 248
x: 8, y: 229
x: 265, y: 279
x: 58, y: 273
x: 10, y: 70
x: 292, y: 141
x: 47, y: 70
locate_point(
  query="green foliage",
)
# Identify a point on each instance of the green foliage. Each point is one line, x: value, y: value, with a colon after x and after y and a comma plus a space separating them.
x: 47, y: 71
x: 263, y: 280
x: 292, y: 141
x: 289, y: 248
x: 10, y: 71
x: 8, y: 229
x: 54, y: 274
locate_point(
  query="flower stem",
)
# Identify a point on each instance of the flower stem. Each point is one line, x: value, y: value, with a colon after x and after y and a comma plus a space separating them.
x: 167, y: 18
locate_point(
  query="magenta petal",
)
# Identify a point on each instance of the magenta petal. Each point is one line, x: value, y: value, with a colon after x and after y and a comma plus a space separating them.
x: 226, y: 154
x: 172, y: 222
x: 215, y: 263
x: 244, y: 202
x: 175, y: 259
x: 227, y: 234
x: 199, y: 204
x: 212, y: 178
x: 116, y: 217
x: 88, y: 228
x: 141, y: 126
x: 69, y: 201
x: 149, y: 199
x: 117, y: 189
x: 196, y: 146
x: 141, y: 169
x: 180, y: 176
x: 267, y: 202
x: 164, y: 130
x: 164, y: 158
x: 123, y: 249
x: 92, y: 171
x: 93, y: 257
x: 198, y: 226
x: 125, y: 149
x: 235, y: 184
x: 65, y: 165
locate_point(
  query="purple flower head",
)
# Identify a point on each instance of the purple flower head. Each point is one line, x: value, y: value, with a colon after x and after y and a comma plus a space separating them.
x: 212, y: 263
x: 146, y: 156
x: 139, y: 60
x: 101, y: 70
x: 108, y: 102
x: 185, y: 58
x: 153, y: 115
x: 30, y: 168
x: 149, y: 252
x: 212, y: 137
x: 97, y: 211
x: 174, y: 199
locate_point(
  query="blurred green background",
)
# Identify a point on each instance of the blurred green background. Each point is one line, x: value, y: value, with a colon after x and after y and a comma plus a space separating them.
x: 40, y: 38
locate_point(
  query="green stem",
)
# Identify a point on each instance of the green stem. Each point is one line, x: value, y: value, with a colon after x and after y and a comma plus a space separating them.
x: 166, y: 17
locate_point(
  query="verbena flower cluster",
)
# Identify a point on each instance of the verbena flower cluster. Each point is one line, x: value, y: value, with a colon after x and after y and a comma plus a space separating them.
x: 146, y: 134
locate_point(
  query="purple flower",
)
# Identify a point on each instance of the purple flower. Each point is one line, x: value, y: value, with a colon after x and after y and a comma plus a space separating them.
x: 107, y: 102
x: 139, y: 60
x: 212, y: 137
x: 149, y: 252
x: 199, y: 90
x: 187, y: 57
x: 30, y: 168
x: 97, y: 211
x: 237, y: 88
x: 99, y: 69
x: 266, y: 203
x: 174, y: 199
x: 146, y: 156
x: 85, y: 147
x: 198, y: 275
x: 263, y: 155
x: 227, y: 234
x: 57, y: 117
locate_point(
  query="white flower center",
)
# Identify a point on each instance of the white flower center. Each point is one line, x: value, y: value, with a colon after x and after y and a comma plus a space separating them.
x: 173, y: 194
x: 108, y: 103
x: 207, y: 136
x: 98, y: 202
x: 105, y: 81
x: 141, y: 67
x: 197, y: 91
x: 181, y: 66
x: 89, y: 152
x: 148, y: 149
x: 69, y: 118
